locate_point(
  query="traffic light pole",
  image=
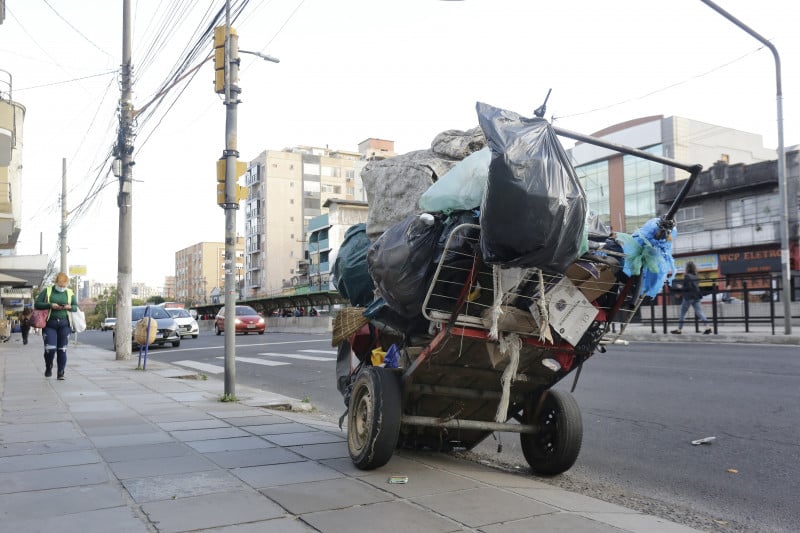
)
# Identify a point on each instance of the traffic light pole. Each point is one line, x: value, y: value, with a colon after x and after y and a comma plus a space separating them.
x: 231, y: 205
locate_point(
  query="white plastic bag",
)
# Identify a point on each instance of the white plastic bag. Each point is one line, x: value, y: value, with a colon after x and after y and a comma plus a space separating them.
x: 77, y: 321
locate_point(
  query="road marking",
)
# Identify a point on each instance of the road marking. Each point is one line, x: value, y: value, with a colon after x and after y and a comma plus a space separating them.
x: 211, y: 369
x: 255, y: 361
x: 333, y: 352
x: 298, y: 356
x: 173, y: 350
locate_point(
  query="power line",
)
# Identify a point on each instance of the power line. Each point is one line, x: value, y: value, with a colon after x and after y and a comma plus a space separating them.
x: 284, y: 24
x: 66, y: 81
x: 76, y: 29
x: 651, y: 93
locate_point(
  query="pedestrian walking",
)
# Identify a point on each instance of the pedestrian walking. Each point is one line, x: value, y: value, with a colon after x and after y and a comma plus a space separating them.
x: 60, y: 300
x: 691, y: 298
x: 25, y: 324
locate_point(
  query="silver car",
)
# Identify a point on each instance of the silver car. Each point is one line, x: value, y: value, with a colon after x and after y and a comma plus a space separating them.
x: 187, y: 325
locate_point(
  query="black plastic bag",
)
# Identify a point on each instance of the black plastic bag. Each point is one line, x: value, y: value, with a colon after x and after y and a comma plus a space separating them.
x: 350, y: 273
x: 401, y: 262
x: 534, y: 209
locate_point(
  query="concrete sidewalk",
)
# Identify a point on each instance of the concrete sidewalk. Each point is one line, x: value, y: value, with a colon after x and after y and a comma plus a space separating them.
x: 113, y: 448
x: 727, y: 333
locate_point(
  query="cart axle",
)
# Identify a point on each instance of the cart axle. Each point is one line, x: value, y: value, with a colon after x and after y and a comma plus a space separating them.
x: 457, y: 423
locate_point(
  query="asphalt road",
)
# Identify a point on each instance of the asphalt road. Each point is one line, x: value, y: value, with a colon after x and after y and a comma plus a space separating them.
x: 642, y: 406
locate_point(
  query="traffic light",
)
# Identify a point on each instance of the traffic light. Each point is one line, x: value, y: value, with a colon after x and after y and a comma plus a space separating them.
x: 219, y: 58
x: 241, y: 192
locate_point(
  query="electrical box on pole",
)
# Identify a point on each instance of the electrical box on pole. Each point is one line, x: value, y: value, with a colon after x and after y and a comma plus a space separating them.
x: 219, y: 58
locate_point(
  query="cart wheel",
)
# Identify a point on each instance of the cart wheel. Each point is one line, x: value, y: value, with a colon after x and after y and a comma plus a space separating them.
x: 373, y: 421
x: 555, y: 449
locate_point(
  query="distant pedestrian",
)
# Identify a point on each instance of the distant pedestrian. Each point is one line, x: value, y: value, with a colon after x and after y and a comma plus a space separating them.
x: 691, y: 298
x: 59, y: 299
x: 25, y: 323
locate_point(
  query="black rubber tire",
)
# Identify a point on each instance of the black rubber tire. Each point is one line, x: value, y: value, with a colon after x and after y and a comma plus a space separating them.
x: 176, y: 344
x: 555, y: 449
x: 219, y: 332
x: 373, y: 420
x: 260, y: 332
x: 194, y: 336
x: 245, y: 332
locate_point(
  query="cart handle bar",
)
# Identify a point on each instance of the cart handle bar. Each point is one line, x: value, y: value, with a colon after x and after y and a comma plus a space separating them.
x: 693, y: 170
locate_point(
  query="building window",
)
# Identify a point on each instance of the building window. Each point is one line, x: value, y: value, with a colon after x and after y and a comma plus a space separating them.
x: 689, y: 219
x: 640, y: 175
x: 754, y: 210
x: 594, y: 179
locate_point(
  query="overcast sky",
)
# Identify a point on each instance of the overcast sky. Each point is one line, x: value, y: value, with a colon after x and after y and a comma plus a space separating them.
x: 349, y: 70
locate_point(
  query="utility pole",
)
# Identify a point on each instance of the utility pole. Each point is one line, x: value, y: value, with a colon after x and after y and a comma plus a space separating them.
x: 124, y: 152
x: 63, y: 215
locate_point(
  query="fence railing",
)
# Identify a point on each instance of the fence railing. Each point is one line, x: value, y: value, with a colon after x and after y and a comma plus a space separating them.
x: 743, y: 306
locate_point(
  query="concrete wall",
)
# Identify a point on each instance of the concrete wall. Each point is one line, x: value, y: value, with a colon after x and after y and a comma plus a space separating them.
x: 302, y: 324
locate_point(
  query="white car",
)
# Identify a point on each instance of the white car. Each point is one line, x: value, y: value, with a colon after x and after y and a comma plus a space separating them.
x: 187, y: 326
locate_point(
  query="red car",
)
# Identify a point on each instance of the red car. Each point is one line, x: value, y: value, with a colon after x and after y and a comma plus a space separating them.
x: 247, y: 321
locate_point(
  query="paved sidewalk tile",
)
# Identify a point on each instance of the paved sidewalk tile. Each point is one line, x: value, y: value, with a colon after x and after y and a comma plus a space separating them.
x: 284, y: 474
x: 469, y: 506
x: 53, y: 478
x: 57, y: 502
x: 389, y: 517
x: 211, y: 510
x: 556, y: 523
x: 118, y: 520
x: 156, y: 488
x: 302, y: 498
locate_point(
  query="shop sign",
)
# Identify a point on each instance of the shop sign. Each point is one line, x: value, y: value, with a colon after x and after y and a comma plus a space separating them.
x: 703, y: 262
x: 751, y: 261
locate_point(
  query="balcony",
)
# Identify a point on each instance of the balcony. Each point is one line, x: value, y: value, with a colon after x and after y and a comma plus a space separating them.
x: 721, y: 239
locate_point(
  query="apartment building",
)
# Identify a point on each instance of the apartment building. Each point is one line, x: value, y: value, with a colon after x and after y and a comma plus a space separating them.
x: 200, y: 271
x: 287, y: 189
x: 325, y: 235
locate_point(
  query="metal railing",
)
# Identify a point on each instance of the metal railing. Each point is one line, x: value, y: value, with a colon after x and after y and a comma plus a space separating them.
x: 746, y: 306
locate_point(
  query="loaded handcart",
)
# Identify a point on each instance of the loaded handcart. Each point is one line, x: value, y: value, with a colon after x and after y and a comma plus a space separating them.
x: 475, y: 342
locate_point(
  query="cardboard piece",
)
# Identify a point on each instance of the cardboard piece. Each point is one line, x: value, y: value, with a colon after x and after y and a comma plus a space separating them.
x: 593, y: 279
x: 571, y: 313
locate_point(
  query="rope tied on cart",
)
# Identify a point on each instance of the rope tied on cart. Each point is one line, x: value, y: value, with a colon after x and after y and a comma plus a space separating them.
x: 510, y: 346
x: 497, y: 306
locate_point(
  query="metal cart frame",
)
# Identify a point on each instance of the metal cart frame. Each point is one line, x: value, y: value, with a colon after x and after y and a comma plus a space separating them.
x: 449, y: 391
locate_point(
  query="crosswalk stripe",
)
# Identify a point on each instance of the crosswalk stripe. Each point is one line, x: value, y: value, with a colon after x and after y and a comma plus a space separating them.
x: 197, y: 365
x: 298, y: 356
x: 331, y: 352
x: 255, y: 361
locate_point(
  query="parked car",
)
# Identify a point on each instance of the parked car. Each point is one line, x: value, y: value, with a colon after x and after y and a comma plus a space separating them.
x: 187, y: 326
x: 247, y: 321
x: 167, y: 327
x: 108, y: 324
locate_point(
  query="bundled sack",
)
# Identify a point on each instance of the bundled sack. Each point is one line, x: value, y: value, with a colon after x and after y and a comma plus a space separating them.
x: 395, y: 185
x: 401, y: 262
x: 144, y: 336
x: 350, y: 273
x: 534, y: 209
x: 462, y: 187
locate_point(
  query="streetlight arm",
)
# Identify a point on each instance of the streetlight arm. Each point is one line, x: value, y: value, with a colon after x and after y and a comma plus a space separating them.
x: 265, y: 57
x: 755, y: 35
